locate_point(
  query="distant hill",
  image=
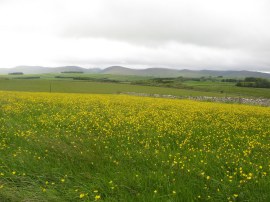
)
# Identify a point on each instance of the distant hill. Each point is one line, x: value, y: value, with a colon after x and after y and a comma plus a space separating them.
x: 45, y: 70
x: 163, y: 72
x: 155, y: 72
x: 119, y: 70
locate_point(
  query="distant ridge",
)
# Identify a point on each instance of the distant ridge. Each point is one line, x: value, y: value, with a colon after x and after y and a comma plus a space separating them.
x: 46, y: 70
x: 154, y: 72
x: 164, y: 72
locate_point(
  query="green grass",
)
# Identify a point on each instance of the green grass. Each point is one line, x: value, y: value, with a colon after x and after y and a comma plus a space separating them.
x: 228, y: 88
x: 51, y: 76
x: 214, y: 88
x: 58, y: 147
x: 69, y: 86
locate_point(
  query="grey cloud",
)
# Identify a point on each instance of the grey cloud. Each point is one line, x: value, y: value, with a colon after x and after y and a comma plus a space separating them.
x: 237, y: 28
x: 180, y: 22
x: 193, y: 34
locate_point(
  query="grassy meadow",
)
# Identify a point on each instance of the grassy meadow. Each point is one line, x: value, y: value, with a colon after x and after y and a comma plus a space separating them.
x: 228, y: 88
x: 114, y: 84
x: 79, y: 147
x: 70, y: 86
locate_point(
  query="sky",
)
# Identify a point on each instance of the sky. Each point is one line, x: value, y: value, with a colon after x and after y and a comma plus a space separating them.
x: 179, y: 34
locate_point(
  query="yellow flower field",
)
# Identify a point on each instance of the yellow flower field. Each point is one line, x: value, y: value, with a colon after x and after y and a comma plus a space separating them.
x: 74, y: 147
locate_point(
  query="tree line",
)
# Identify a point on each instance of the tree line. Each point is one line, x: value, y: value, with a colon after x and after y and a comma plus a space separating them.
x: 254, y: 82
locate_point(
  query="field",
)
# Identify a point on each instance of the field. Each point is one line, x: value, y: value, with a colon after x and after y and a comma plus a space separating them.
x: 115, y: 84
x: 70, y: 86
x: 79, y: 147
x: 229, y: 88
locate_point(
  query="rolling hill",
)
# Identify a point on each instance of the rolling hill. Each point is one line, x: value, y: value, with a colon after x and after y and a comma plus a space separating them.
x: 45, y: 70
x: 163, y: 72
x: 154, y: 72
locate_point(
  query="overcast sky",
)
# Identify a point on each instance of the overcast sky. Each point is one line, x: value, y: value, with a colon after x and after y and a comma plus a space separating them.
x: 193, y: 34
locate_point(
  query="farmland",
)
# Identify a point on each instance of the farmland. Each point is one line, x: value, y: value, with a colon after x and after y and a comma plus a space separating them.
x: 80, y: 147
x: 115, y: 84
x: 68, y: 86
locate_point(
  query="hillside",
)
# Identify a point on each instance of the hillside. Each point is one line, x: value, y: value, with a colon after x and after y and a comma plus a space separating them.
x: 163, y: 72
x: 119, y: 70
x: 45, y: 70
x: 107, y: 148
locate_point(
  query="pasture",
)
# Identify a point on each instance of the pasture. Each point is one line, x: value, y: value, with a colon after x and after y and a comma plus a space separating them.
x: 70, y: 86
x: 79, y: 147
x: 115, y: 84
x: 228, y: 88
